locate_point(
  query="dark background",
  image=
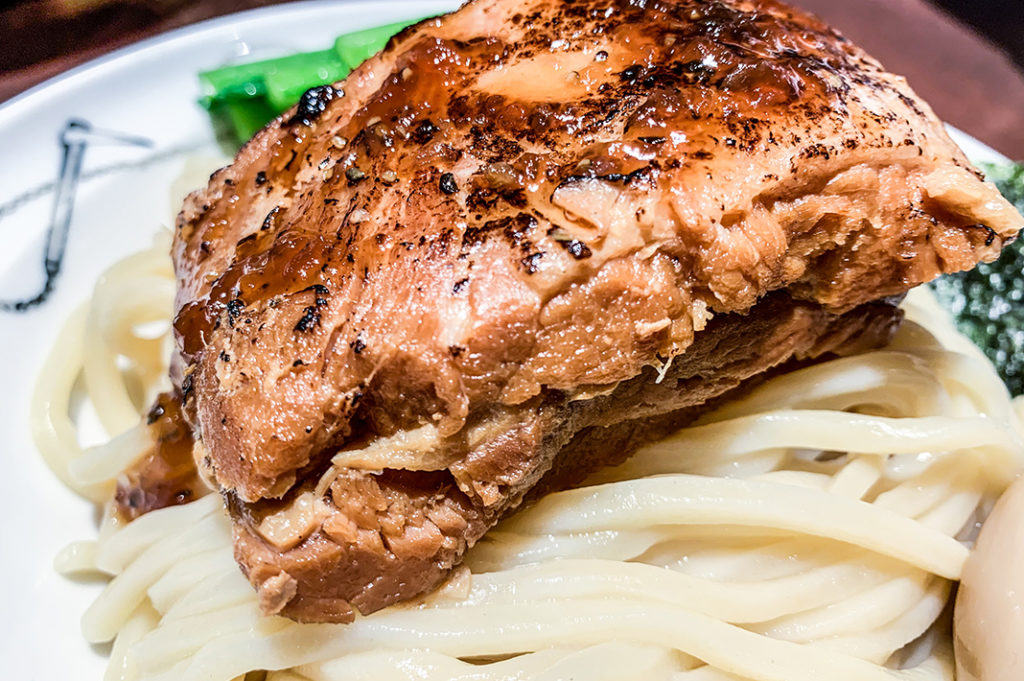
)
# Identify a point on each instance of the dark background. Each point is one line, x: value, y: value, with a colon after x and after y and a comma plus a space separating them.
x: 966, y: 57
x: 1002, y: 21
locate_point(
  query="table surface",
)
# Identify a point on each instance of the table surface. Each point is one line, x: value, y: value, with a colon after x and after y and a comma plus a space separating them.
x: 968, y: 80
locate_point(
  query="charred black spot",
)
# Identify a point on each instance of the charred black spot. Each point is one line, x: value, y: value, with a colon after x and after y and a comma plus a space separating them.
x: 631, y: 74
x: 186, y: 388
x: 817, y: 150
x: 697, y: 69
x: 460, y: 286
x: 271, y: 219
x: 456, y: 350
x: 448, y: 184
x: 155, y: 413
x: 424, y: 132
x: 483, y: 200
x: 261, y: 178
x: 234, y: 308
x: 320, y: 291
x: 577, y: 249
x: 310, y: 318
x: 291, y: 160
x: 245, y: 240
x: 313, y: 103
x: 491, y: 145
x: 644, y: 174
x: 910, y: 103
x: 514, y: 228
x: 990, y: 234
x: 531, y: 263
x: 357, y: 345
x: 224, y: 357
x: 298, y: 363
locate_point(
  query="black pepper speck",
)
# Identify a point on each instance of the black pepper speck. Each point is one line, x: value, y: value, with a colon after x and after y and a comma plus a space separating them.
x: 448, y: 184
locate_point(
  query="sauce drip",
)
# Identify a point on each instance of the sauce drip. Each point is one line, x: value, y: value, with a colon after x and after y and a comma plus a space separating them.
x: 292, y: 263
x: 167, y: 474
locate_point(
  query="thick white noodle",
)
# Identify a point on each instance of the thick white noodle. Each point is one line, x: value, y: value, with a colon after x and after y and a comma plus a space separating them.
x: 807, y: 531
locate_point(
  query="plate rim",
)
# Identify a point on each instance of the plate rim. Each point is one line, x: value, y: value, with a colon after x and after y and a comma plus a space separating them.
x: 102, y: 66
x: 12, y: 107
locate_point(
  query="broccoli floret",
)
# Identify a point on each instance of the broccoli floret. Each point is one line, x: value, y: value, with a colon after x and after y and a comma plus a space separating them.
x: 988, y: 301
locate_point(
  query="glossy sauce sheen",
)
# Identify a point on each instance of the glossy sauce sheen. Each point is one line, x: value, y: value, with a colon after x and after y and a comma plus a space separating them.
x: 472, y: 147
x: 166, y: 475
x: 411, y: 126
x: 513, y: 205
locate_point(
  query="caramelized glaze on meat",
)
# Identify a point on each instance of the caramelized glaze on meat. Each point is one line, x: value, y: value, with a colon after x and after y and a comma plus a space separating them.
x: 165, y: 475
x: 512, y: 211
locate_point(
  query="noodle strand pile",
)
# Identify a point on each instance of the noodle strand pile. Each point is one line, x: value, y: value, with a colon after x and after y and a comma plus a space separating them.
x: 811, y: 529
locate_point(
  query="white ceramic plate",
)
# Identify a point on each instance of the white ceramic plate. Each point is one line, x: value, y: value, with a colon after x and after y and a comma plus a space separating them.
x: 123, y: 196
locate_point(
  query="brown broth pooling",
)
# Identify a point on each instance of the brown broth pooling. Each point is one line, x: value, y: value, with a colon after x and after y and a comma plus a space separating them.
x: 166, y: 475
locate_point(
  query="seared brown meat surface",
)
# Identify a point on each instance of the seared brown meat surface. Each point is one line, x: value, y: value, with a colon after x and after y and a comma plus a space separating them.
x: 448, y: 271
x: 388, y: 536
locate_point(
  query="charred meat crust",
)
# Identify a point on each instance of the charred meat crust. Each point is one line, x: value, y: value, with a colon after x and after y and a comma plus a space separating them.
x: 460, y: 231
x: 394, y: 535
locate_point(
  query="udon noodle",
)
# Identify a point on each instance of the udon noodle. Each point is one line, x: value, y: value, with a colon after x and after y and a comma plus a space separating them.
x: 812, y: 529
